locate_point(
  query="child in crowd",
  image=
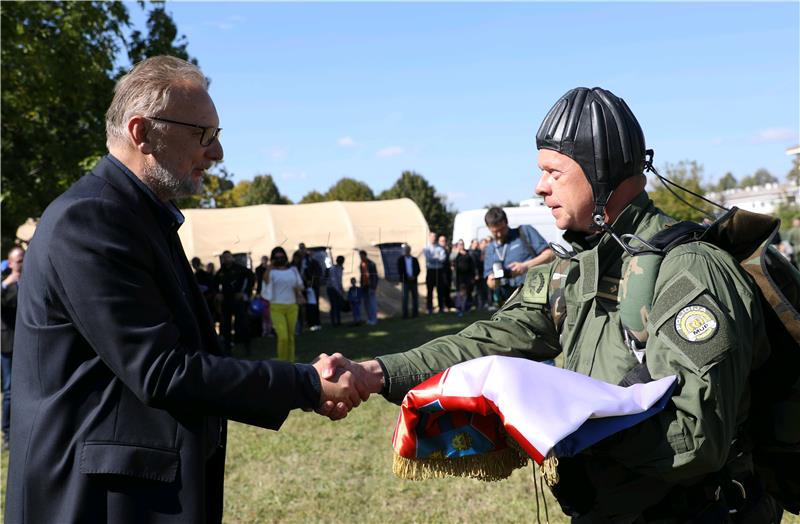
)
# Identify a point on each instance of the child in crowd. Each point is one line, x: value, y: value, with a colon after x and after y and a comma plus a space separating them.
x: 461, y: 299
x: 354, y: 297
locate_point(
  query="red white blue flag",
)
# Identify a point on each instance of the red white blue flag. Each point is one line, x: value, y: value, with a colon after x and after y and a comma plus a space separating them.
x: 465, y: 414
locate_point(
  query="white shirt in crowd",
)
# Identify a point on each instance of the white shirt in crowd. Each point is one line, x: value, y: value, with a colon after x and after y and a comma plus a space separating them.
x: 281, y: 286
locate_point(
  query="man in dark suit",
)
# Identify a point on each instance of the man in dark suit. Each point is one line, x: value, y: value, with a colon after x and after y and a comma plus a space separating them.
x: 408, y: 269
x: 117, y: 370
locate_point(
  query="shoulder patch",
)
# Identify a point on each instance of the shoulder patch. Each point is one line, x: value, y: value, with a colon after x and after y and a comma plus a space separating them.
x: 534, y: 290
x: 701, y: 330
x: 696, y: 323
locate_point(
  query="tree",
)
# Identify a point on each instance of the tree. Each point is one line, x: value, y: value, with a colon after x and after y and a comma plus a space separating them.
x: 786, y: 213
x: 238, y: 194
x: 350, y: 190
x: 433, y: 206
x: 162, y: 39
x: 793, y: 176
x: 312, y: 196
x: 759, y: 178
x: 263, y: 190
x: 726, y: 182
x: 688, y: 174
x: 58, y: 74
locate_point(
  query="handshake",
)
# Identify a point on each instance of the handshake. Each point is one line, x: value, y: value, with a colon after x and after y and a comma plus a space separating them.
x: 345, y: 384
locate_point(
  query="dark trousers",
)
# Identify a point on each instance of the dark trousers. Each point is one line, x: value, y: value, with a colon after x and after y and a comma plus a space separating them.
x: 6, y: 382
x: 410, y: 289
x: 435, y: 279
x: 336, y: 306
x: 234, y: 315
x: 312, y: 310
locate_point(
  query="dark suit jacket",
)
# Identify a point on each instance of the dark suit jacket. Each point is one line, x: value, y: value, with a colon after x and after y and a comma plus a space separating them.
x: 401, y: 269
x: 120, y: 393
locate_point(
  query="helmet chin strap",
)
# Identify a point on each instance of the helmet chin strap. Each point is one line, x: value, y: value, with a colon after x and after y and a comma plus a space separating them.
x: 600, y: 224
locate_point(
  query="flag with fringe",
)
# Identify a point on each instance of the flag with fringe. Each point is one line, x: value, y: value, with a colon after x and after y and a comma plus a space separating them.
x: 486, y: 417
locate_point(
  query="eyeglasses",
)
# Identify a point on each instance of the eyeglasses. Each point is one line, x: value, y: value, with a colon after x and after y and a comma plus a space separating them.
x: 209, y: 133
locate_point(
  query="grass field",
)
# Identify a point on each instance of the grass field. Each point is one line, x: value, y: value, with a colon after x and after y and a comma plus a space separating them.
x: 315, y: 470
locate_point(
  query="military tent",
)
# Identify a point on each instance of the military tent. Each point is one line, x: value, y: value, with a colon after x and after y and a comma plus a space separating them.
x: 378, y: 227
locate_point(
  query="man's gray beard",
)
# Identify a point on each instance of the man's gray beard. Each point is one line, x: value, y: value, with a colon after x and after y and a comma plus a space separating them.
x: 167, y: 185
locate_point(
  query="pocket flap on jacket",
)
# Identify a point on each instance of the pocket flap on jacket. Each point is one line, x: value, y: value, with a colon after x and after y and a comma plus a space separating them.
x: 116, y: 458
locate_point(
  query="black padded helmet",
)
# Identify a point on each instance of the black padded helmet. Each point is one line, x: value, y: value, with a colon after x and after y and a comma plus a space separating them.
x: 597, y: 130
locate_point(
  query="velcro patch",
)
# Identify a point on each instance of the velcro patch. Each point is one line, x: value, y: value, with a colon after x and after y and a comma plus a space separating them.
x: 700, y: 330
x: 534, y: 291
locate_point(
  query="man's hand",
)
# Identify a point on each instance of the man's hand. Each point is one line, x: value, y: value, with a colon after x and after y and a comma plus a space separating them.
x: 339, y: 393
x: 518, y: 268
x: 11, y: 279
x: 365, y: 378
x: 491, y: 283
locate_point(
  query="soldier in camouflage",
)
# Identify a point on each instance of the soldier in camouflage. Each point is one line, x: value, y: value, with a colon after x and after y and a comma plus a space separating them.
x: 623, y: 319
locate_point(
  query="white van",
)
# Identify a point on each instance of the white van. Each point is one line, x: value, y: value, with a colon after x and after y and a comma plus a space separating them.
x: 470, y: 224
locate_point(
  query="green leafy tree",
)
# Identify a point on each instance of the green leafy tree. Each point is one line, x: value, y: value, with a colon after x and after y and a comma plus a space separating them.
x: 793, y: 176
x: 787, y: 212
x: 433, y: 206
x: 57, y: 65
x: 727, y: 182
x: 759, y: 178
x: 350, y: 190
x: 238, y: 194
x: 688, y: 174
x: 162, y: 38
x: 312, y: 197
x: 263, y: 190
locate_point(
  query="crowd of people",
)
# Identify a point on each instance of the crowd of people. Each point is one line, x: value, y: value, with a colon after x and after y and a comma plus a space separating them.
x: 482, y: 276
x: 281, y: 296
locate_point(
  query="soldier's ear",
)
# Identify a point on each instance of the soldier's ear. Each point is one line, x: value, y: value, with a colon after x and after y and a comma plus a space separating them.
x: 140, y: 134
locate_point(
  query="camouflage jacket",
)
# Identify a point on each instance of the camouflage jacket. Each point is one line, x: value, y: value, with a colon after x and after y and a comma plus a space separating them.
x: 705, y: 326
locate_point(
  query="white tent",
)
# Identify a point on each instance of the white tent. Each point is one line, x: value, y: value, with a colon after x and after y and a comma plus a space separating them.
x: 345, y: 227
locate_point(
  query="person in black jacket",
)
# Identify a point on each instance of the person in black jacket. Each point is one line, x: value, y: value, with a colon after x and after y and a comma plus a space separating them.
x: 8, y: 314
x: 408, y: 269
x: 118, y: 371
x: 311, y: 272
x: 235, y: 287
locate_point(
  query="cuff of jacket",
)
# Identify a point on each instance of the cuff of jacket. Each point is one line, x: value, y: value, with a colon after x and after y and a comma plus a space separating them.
x: 310, y: 387
x: 399, y: 376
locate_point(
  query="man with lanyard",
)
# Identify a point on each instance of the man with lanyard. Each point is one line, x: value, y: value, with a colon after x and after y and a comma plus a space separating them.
x: 511, y: 254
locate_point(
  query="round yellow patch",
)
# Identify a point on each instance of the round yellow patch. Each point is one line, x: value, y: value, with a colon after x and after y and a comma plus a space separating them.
x: 696, y: 323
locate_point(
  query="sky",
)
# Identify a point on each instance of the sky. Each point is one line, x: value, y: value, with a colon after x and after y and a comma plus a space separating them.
x: 313, y: 92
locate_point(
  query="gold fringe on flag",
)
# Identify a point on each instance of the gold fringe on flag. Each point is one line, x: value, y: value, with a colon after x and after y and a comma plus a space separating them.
x: 492, y: 466
x: 550, y: 470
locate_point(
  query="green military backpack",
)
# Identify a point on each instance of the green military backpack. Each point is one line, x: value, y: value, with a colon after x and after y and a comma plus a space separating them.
x: 773, y: 427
